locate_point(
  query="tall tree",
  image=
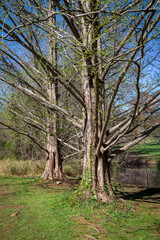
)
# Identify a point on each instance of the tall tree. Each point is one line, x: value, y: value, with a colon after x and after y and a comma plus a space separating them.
x: 53, y: 167
x: 109, y: 39
x: 33, y: 74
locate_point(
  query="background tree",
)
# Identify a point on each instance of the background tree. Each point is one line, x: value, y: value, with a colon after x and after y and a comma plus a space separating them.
x: 26, y: 69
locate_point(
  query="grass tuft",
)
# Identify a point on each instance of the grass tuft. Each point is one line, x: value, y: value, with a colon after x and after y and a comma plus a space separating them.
x: 33, y: 168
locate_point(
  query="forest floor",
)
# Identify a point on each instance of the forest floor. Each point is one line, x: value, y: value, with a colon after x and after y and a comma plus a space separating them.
x: 33, y: 209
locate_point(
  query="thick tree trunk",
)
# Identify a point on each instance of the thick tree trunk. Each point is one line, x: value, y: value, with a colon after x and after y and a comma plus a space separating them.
x: 95, y: 166
x: 53, y: 168
x: 96, y: 179
x: 96, y: 175
x: 100, y: 183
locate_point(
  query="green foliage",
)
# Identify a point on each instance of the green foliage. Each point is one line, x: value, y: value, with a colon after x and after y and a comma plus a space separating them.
x: 16, y: 146
x: 11, y: 148
x: 91, y: 162
x: 13, y: 144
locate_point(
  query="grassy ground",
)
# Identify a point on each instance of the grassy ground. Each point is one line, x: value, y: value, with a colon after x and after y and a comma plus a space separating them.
x: 34, y: 210
x: 150, y: 150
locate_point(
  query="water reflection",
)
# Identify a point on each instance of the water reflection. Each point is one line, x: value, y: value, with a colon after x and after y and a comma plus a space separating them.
x: 143, y: 176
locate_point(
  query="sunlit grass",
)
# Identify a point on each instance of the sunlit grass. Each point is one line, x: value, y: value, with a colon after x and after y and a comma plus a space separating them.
x: 37, y: 217
x: 46, y: 211
x: 149, y: 149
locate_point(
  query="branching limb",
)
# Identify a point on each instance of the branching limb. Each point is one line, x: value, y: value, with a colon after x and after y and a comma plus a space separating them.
x: 25, y: 134
x: 74, y: 120
x: 136, y: 140
x: 141, y: 39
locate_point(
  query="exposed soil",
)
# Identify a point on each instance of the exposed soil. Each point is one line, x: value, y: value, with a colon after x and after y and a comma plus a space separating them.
x: 67, y: 182
x: 54, y: 184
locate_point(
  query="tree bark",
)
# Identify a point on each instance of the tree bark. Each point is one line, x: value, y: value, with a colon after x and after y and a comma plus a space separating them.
x: 53, y: 169
x: 94, y: 167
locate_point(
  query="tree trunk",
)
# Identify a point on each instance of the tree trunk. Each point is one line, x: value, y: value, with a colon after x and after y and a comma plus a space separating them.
x: 94, y: 166
x: 96, y: 180
x: 108, y: 179
x: 53, y: 169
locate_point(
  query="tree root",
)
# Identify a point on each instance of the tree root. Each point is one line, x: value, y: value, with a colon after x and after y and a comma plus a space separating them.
x: 91, y: 237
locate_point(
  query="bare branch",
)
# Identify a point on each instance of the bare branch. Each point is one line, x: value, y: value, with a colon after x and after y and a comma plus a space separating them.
x: 136, y: 140
x: 141, y: 39
x: 74, y: 120
x: 25, y: 134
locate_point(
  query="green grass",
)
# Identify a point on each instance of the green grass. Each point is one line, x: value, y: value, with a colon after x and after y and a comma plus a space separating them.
x: 45, y: 211
x: 38, y: 216
x: 150, y: 150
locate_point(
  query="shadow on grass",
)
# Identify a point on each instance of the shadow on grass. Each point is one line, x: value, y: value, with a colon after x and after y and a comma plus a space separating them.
x: 149, y: 195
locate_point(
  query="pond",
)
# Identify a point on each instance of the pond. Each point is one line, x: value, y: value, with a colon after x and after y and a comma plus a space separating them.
x: 146, y: 176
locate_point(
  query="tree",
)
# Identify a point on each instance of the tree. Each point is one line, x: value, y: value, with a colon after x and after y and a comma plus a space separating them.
x: 53, y: 167
x: 107, y: 63
x: 36, y: 77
